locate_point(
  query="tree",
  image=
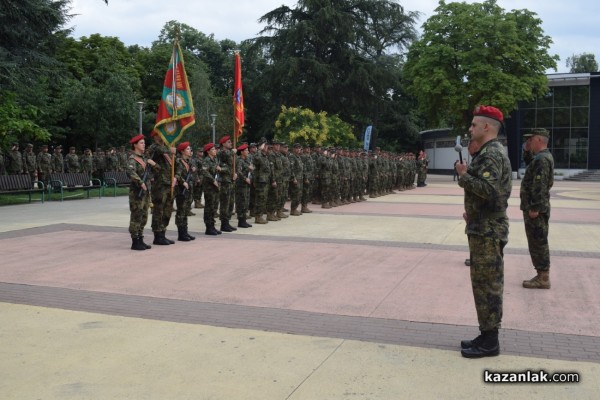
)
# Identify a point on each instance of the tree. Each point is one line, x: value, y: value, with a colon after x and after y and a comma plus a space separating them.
x: 16, y: 123
x: 477, y: 53
x: 304, y: 126
x: 338, y: 56
x: 585, y: 62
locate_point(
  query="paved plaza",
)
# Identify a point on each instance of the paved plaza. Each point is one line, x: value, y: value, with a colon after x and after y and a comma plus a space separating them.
x: 364, y: 301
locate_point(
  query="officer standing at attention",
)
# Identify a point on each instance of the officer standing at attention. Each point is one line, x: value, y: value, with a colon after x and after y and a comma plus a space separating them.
x: 228, y: 177
x: 210, y: 184
x: 139, y: 196
x: 242, y: 186
x: 535, y: 204
x: 487, y: 183
x: 161, y: 189
x: 183, y: 191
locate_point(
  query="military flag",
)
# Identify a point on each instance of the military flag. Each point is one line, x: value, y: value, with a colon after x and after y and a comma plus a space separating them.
x: 176, y: 108
x: 238, y: 97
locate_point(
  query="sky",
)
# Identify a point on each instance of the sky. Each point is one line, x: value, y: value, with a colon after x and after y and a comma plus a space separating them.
x: 572, y: 25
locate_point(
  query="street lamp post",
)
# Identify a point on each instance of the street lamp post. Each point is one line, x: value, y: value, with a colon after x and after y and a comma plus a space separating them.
x: 213, y: 124
x: 141, y: 105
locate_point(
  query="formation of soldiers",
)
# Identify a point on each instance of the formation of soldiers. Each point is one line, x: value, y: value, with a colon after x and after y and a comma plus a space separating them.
x: 267, y: 174
x: 39, y: 166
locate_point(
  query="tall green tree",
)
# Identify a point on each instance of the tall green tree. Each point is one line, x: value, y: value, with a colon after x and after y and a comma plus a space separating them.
x: 477, y: 53
x: 338, y: 56
x: 585, y: 62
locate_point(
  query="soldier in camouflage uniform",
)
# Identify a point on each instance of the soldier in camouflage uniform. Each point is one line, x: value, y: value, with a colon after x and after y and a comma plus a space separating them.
x: 308, y: 164
x: 58, y: 160
x: 296, y: 179
x: 273, y: 202
x: 112, y: 160
x: 210, y: 183
x: 2, y: 168
x: 30, y: 162
x: 325, y: 179
x: 284, y: 186
x: 139, y: 196
x: 535, y: 204
x: 72, y: 161
x: 183, y: 191
x: 487, y: 184
x: 227, y: 190
x: 197, y: 190
x: 252, y: 149
x: 242, y: 186
x: 161, y: 189
x: 14, y: 160
x: 263, y: 180
x: 44, y: 164
x: 87, y: 162
x: 122, y: 156
x: 100, y: 165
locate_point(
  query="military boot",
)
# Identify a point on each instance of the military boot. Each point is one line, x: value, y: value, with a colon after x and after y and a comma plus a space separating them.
x: 326, y: 205
x: 361, y: 198
x: 160, y: 239
x: 281, y: 215
x: 230, y: 226
x: 260, y: 220
x: 136, y: 244
x: 188, y: 234
x: 540, y: 281
x: 488, y: 346
x: 465, y: 344
x: 147, y: 245
x: 295, y: 212
x: 305, y: 210
x: 243, y: 224
x: 182, y: 236
x: 164, y: 237
x: 271, y: 217
x: 225, y: 226
x: 210, y: 230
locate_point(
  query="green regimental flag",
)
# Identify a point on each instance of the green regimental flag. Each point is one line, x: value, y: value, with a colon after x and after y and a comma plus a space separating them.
x: 176, y: 109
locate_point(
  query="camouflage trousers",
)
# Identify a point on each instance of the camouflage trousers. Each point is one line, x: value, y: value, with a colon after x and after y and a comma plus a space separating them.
x: 139, y: 212
x: 283, y: 193
x: 487, y: 279
x: 162, y: 207
x: 226, y: 200
x: 242, y: 199
x: 211, y: 201
x: 197, y: 191
x: 536, y: 230
x: 184, y: 205
x: 306, y: 192
x: 261, y: 194
x: 295, y: 194
x: 273, y: 198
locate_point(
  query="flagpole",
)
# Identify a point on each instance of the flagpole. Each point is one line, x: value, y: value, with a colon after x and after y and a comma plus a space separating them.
x: 174, y: 102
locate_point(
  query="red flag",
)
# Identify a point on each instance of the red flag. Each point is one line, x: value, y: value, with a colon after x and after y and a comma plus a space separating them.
x: 176, y: 108
x: 238, y: 97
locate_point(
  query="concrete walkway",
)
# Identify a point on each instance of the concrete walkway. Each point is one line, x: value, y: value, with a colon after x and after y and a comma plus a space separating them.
x: 364, y: 301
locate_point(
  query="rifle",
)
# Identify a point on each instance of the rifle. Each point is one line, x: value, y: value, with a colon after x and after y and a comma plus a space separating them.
x: 140, y: 193
x: 188, y: 178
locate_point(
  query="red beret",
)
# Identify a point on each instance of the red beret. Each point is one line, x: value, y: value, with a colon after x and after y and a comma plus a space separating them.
x: 182, y: 146
x: 154, y: 133
x: 242, y: 147
x: 136, y: 139
x: 490, y: 112
x: 224, y: 139
x: 208, y: 146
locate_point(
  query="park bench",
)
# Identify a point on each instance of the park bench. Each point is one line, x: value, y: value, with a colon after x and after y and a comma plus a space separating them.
x: 59, y: 182
x: 116, y: 178
x: 17, y: 184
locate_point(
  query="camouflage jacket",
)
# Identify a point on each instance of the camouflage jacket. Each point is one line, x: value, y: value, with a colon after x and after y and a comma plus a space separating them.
x: 537, y: 182
x: 487, y: 184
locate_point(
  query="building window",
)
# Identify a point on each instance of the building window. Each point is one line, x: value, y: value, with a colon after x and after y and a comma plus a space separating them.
x: 564, y: 111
